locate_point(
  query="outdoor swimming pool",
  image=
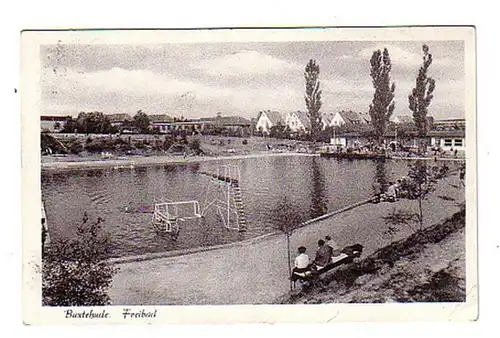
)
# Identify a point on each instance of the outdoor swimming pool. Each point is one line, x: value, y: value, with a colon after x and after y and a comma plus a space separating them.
x: 302, y: 187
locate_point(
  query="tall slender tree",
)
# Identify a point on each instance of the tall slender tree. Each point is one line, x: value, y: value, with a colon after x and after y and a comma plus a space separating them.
x: 313, y: 97
x: 421, y: 96
x: 383, y: 104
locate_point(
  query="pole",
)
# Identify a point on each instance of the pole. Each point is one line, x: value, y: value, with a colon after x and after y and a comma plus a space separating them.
x: 287, y: 233
x: 396, y: 138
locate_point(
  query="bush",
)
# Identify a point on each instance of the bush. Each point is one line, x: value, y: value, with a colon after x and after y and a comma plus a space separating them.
x: 74, y: 272
x: 74, y: 146
x: 195, y: 146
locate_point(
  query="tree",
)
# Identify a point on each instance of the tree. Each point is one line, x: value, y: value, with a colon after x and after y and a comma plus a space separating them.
x: 93, y: 123
x: 313, y: 97
x: 195, y: 146
x: 421, y: 96
x: 287, y: 218
x: 277, y: 131
x: 70, y: 126
x: 141, y: 121
x: 74, y: 272
x: 383, y: 104
x: 421, y: 182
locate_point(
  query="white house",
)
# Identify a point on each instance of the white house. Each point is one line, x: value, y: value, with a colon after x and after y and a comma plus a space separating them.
x: 298, y: 121
x: 344, y: 117
x: 448, y: 139
x: 326, y: 119
x: 398, y: 119
x: 266, y: 120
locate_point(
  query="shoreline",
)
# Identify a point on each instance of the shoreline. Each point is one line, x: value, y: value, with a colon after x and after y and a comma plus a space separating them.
x: 145, y: 161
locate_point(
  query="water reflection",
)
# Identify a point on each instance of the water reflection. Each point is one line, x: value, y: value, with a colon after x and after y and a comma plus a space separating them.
x: 319, y: 201
x: 381, y: 172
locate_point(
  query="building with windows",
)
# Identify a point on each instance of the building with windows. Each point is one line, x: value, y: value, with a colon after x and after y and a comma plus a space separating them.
x: 298, y: 121
x: 448, y: 139
x: 266, y: 120
x: 348, y: 118
x: 53, y: 123
x: 449, y: 124
x: 118, y: 120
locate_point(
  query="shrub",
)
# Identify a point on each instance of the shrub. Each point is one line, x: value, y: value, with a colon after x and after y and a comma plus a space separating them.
x: 74, y: 272
x: 74, y: 146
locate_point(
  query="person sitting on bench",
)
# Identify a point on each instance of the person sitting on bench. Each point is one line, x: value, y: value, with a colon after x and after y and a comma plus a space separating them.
x: 323, y: 255
x: 301, y: 264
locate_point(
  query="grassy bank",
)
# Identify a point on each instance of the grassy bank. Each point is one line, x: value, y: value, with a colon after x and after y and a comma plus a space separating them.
x: 87, y: 146
x: 428, y: 266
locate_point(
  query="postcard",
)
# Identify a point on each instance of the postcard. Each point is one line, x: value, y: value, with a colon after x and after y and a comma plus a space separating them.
x: 249, y: 175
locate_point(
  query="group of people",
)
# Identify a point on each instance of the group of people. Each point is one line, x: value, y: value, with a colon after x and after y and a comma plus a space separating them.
x: 327, y: 249
x: 391, y: 193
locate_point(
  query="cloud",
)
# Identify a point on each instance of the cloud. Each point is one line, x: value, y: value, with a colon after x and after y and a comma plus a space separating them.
x: 246, y: 62
x: 342, y: 86
x: 121, y: 90
x: 402, y: 57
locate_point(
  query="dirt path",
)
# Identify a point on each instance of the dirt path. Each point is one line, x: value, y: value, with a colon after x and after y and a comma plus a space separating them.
x: 254, y: 273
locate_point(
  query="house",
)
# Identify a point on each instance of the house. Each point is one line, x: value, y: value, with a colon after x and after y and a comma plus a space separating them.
x: 401, y: 119
x: 298, y: 121
x: 232, y: 124
x: 408, y: 119
x: 365, y: 117
x: 448, y: 139
x: 161, y: 122
x: 266, y: 120
x: 449, y: 124
x: 118, y: 120
x: 326, y: 119
x: 346, y: 117
x: 53, y: 123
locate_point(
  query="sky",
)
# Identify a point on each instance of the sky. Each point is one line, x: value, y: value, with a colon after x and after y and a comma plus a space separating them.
x: 201, y: 79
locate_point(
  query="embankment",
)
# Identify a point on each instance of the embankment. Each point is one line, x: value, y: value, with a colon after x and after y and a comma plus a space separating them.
x: 428, y: 266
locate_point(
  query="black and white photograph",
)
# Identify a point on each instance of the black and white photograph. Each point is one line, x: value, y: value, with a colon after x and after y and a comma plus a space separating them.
x: 249, y: 172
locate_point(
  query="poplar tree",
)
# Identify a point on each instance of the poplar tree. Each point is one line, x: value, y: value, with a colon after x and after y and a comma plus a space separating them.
x: 313, y: 97
x: 421, y: 96
x: 383, y: 104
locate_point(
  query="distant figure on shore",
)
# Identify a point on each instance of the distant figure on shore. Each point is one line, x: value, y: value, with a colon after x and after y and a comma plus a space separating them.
x: 462, y: 175
x: 323, y: 255
x: 301, y: 263
x: 332, y: 244
x: 377, y: 191
x: 397, y: 186
x: 390, y: 194
x: 455, y: 153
